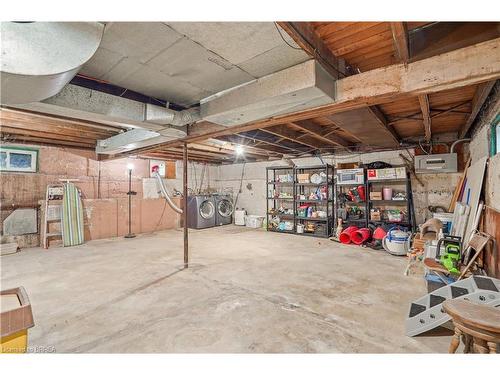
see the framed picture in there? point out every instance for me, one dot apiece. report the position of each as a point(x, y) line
point(18, 159)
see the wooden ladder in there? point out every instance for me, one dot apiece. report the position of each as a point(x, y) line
point(53, 212)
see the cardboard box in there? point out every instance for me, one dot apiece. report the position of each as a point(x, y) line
point(375, 215)
point(347, 165)
point(376, 195)
point(387, 173)
point(303, 177)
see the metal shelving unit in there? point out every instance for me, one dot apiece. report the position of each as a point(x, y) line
point(363, 206)
point(274, 201)
point(322, 225)
point(405, 184)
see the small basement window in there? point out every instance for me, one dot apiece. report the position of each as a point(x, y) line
point(18, 159)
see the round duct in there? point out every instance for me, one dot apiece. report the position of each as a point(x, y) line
point(40, 58)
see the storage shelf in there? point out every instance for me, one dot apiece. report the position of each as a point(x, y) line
point(389, 180)
point(311, 218)
point(284, 216)
point(322, 235)
point(388, 202)
point(310, 184)
point(303, 188)
point(281, 231)
point(389, 222)
point(351, 184)
point(313, 200)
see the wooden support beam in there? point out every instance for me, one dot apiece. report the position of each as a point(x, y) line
point(319, 132)
point(441, 37)
point(400, 38)
point(228, 151)
point(290, 135)
point(467, 66)
point(184, 203)
point(274, 144)
point(304, 35)
point(382, 119)
point(426, 114)
point(482, 92)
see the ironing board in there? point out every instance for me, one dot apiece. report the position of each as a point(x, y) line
point(72, 216)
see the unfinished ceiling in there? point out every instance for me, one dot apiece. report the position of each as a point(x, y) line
point(184, 62)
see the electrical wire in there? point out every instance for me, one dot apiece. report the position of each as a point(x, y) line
point(284, 40)
point(241, 184)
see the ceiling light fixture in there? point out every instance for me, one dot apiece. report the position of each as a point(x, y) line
point(239, 150)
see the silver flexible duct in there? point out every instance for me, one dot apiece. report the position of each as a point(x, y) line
point(165, 194)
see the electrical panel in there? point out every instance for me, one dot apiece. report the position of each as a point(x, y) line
point(437, 163)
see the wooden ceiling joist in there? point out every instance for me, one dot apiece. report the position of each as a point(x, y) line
point(286, 133)
point(258, 142)
point(482, 92)
point(426, 115)
point(400, 37)
point(319, 132)
point(304, 35)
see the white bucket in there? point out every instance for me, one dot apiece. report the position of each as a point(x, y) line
point(239, 217)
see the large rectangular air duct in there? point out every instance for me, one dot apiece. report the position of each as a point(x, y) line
point(300, 87)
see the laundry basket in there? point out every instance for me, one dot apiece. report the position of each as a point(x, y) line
point(254, 221)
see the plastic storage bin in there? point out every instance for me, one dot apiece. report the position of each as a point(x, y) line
point(253, 221)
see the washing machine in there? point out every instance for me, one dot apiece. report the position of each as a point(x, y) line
point(201, 211)
point(224, 209)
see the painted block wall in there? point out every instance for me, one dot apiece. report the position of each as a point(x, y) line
point(103, 185)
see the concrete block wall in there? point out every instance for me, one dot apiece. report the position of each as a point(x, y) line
point(436, 191)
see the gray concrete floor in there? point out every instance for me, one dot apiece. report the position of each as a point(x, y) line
point(246, 291)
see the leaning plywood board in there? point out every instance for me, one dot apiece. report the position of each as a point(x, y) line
point(472, 192)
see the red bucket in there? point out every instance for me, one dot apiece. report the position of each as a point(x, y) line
point(345, 236)
point(360, 236)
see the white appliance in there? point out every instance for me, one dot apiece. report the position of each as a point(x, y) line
point(350, 176)
point(437, 163)
point(239, 217)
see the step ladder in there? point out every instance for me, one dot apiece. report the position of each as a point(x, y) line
point(53, 212)
point(427, 312)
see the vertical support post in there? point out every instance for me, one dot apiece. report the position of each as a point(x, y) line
point(130, 193)
point(185, 208)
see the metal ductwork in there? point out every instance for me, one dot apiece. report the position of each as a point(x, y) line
point(40, 58)
point(300, 87)
point(165, 116)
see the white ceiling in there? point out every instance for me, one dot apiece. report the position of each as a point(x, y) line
point(184, 62)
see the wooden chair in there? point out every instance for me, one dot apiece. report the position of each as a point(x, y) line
point(477, 325)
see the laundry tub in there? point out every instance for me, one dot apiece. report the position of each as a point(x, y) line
point(15, 320)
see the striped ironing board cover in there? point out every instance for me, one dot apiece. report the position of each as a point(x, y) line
point(72, 216)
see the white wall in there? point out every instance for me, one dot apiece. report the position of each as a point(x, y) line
point(211, 176)
point(437, 190)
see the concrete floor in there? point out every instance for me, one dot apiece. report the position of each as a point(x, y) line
point(246, 291)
